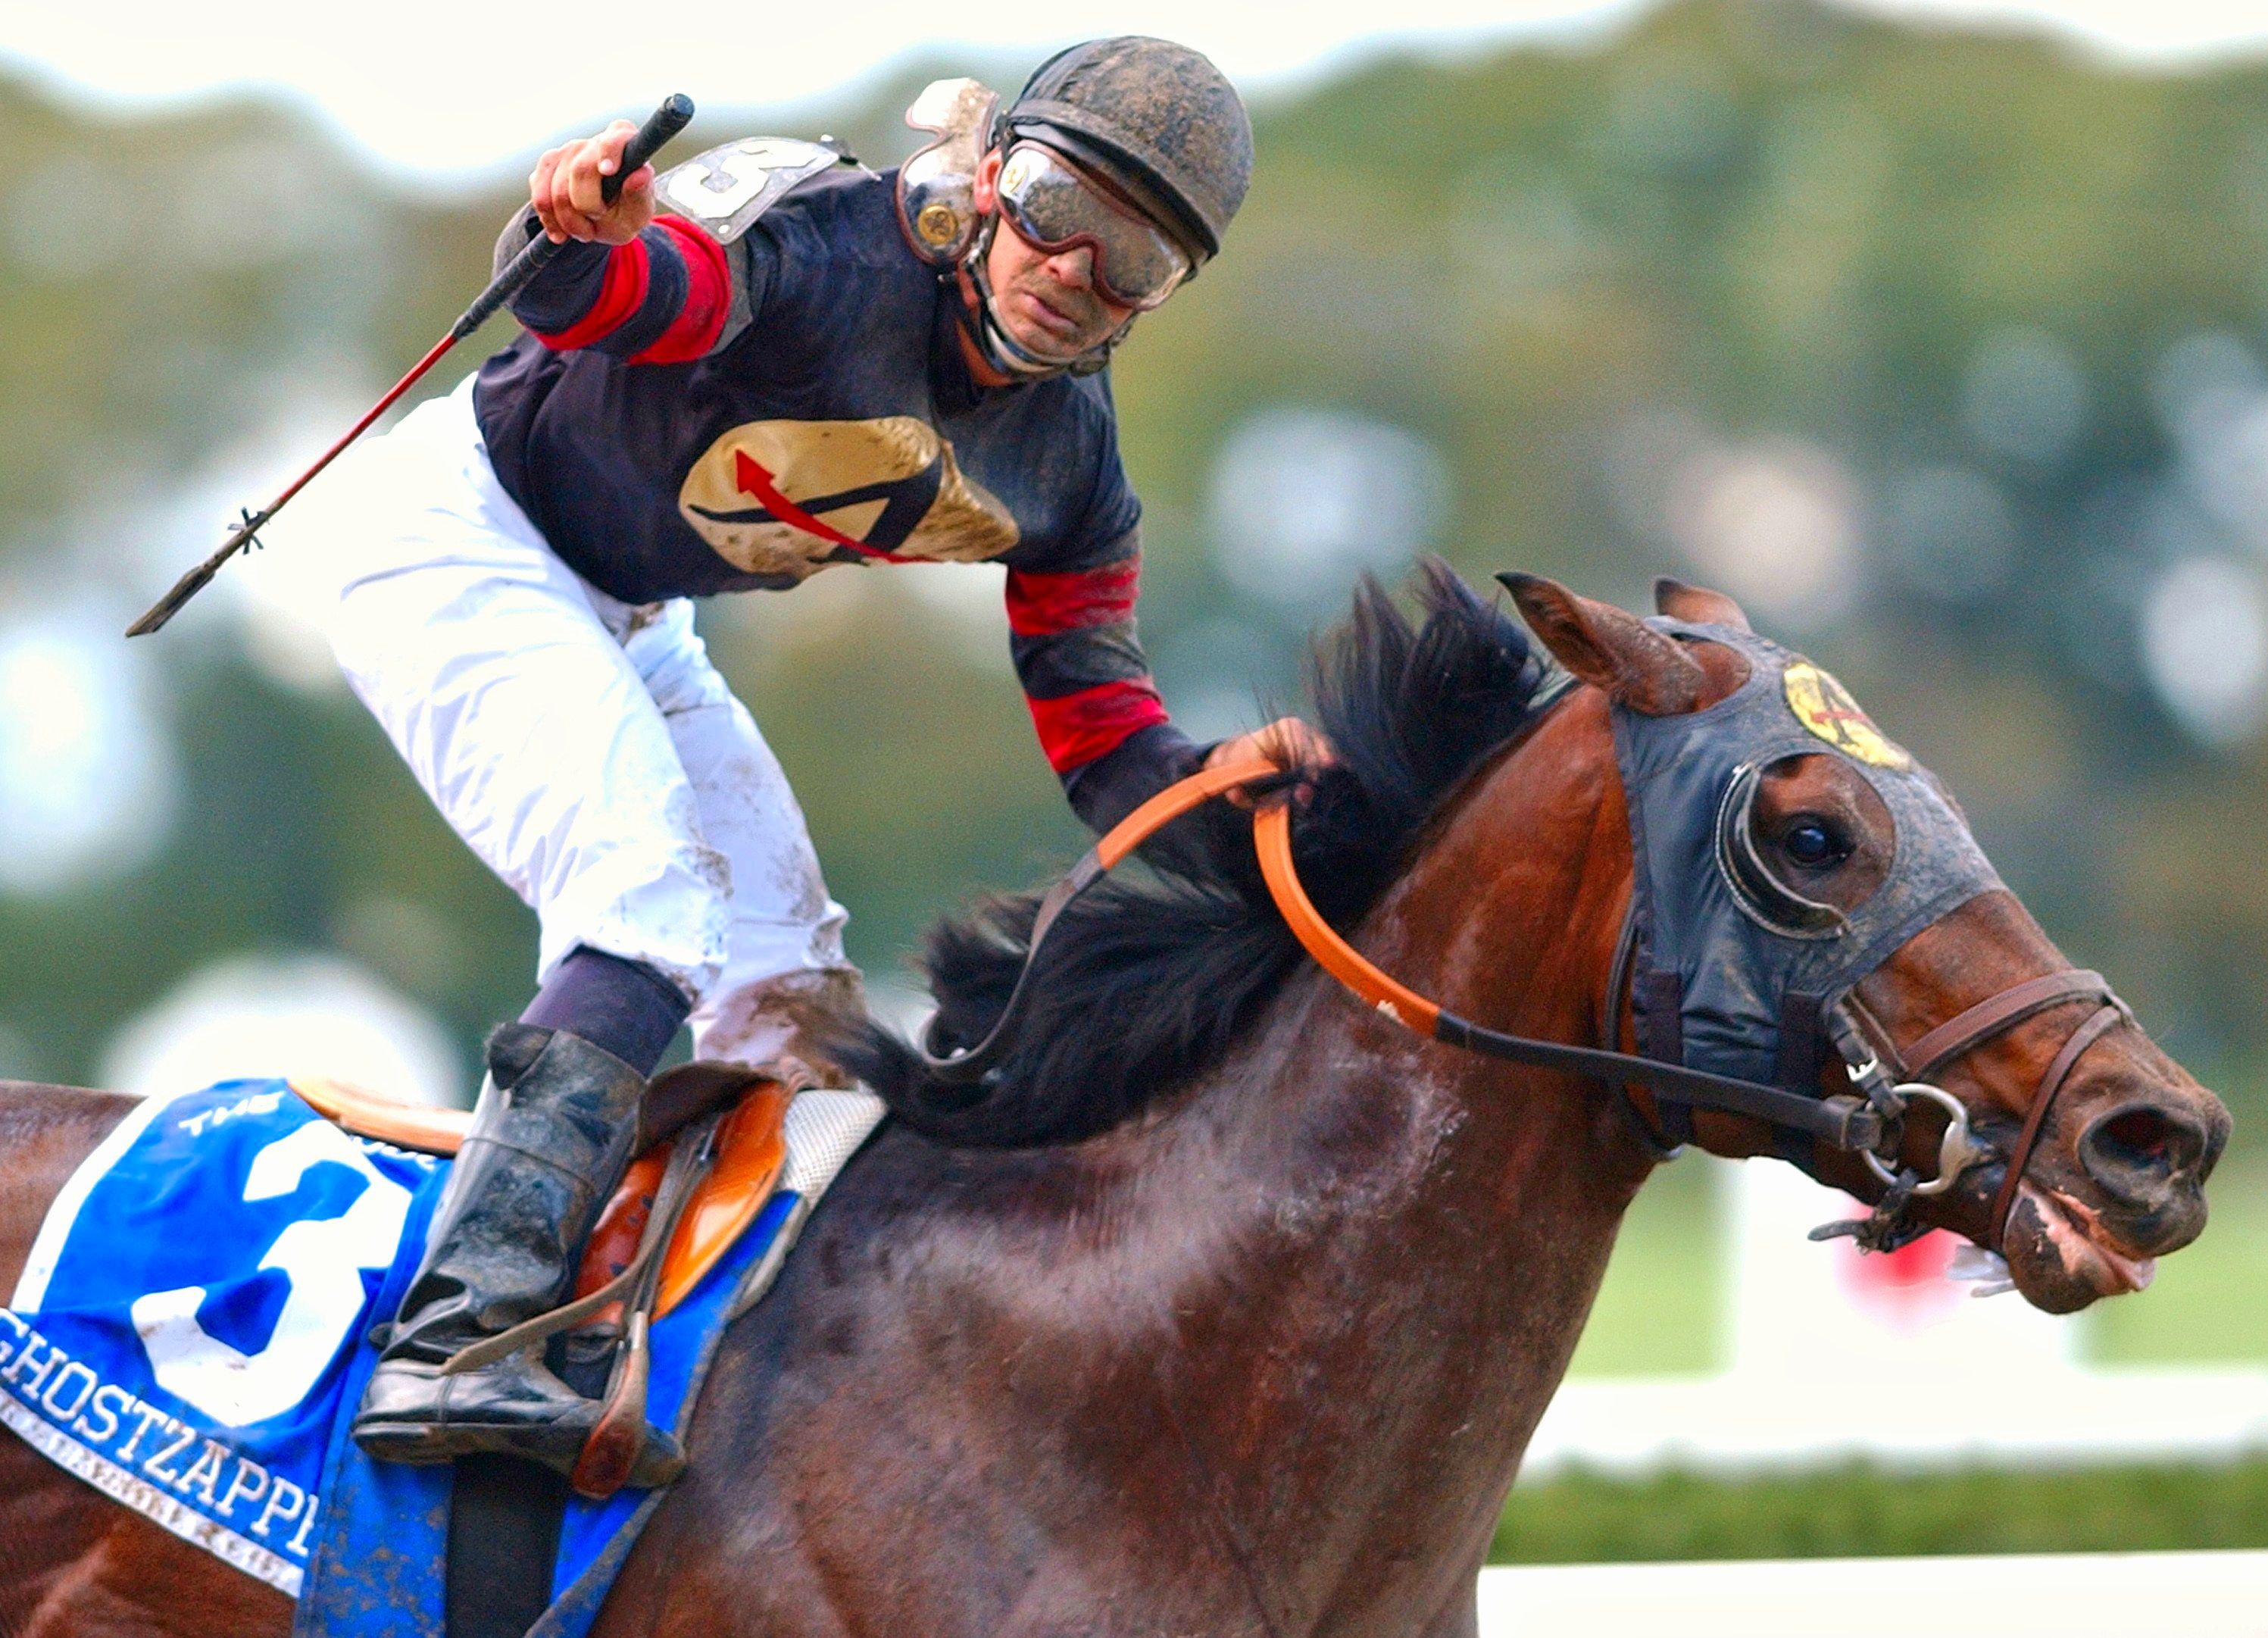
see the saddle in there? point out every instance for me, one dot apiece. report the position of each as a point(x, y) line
point(712, 1142)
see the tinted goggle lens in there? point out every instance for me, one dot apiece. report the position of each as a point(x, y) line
point(1053, 208)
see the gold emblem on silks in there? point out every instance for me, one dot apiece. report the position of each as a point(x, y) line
point(1825, 707)
point(788, 497)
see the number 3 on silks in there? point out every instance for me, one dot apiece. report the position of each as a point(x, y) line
point(323, 1261)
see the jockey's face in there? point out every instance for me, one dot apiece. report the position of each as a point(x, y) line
point(1047, 301)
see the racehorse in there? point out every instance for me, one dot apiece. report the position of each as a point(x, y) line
point(1228, 1306)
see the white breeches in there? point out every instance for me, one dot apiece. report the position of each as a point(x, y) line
point(586, 749)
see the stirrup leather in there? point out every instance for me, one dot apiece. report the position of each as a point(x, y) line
point(610, 1454)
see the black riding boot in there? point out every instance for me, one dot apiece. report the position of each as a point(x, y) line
point(549, 1143)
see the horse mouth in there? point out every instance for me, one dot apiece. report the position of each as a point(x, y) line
point(2081, 1260)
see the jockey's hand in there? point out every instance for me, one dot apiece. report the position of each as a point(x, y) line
point(1288, 742)
point(565, 189)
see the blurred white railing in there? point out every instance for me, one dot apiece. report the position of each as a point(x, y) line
point(1832, 1355)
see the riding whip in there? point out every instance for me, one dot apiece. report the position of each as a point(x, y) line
point(666, 121)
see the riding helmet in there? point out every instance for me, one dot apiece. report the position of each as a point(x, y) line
point(1156, 118)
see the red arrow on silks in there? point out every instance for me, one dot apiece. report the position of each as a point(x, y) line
point(752, 479)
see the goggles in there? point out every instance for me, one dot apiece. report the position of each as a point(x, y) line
point(1053, 208)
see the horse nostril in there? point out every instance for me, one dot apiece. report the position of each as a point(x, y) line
point(2137, 1152)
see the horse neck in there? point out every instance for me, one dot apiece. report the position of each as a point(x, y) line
point(1402, 1240)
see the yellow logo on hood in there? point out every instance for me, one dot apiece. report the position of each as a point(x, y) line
point(1825, 707)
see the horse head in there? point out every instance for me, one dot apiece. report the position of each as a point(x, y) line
point(1962, 1022)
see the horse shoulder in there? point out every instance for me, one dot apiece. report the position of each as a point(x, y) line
point(902, 1436)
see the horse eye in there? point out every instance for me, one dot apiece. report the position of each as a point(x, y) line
point(1814, 842)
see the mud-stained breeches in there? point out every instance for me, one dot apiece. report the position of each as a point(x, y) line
point(587, 749)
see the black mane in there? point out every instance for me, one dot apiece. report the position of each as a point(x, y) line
point(1143, 984)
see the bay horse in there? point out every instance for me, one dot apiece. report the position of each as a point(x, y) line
point(1230, 1306)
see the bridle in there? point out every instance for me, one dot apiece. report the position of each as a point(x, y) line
point(1887, 1079)
point(1909, 1071)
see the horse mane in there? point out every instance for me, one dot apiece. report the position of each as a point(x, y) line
point(1144, 983)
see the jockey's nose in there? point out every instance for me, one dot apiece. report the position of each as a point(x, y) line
point(1074, 266)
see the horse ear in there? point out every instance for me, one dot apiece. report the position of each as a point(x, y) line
point(1636, 665)
point(1697, 603)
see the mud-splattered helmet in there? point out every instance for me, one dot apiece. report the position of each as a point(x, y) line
point(1139, 148)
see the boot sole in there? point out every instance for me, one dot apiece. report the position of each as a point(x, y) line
point(420, 1445)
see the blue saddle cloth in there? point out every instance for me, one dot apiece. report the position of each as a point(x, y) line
point(196, 1298)
point(191, 1335)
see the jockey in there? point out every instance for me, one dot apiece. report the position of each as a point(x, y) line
point(800, 364)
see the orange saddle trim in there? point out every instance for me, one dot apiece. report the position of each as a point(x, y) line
point(751, 1151)
point(364, 1113)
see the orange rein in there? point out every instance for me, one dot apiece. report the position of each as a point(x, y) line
point(1271, 836)
point(1174, 800)
point(1841, 1120)
point(1271, 830)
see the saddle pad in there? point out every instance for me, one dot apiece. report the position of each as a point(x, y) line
point(376, 1570)
point(195, 1302)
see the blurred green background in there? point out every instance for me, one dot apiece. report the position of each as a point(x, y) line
point(1857, 1509)
point(1942, 350)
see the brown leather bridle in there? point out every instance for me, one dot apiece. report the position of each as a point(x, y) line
point(1965, 1031)
point(1856, 1124)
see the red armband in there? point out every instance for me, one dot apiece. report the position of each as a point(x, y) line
point(620, 297)
point(1040, 605)
point(708, 297)
point(1075, 729)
